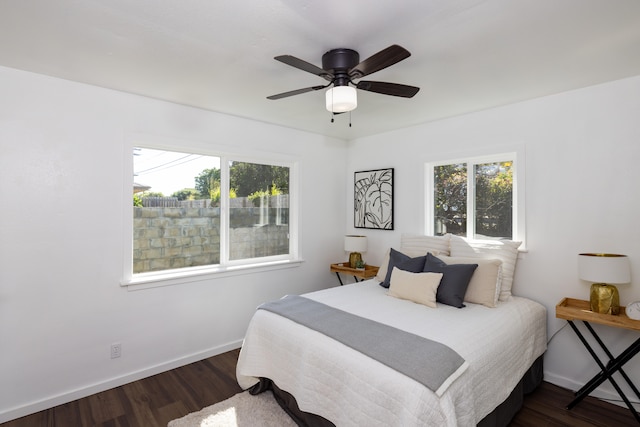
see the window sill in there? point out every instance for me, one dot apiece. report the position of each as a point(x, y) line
point(197, 274)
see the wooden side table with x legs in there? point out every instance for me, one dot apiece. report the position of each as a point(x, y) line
point(573, 309)
point(368, 272)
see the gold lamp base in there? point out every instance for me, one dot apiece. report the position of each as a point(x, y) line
point(355, 258)
point(604, 299)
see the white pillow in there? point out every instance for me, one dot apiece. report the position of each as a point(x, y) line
point(415, 245)
point(420, 245)
point(384, 265)
point(417, 287)
point(505, 250)
point(484, 287)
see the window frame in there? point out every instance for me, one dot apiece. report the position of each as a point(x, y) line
point(225, 210)
point(226, 267)
point(515, 155)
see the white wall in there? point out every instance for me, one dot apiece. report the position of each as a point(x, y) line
point(582, 153)
point(63, 147)
point(61, 305)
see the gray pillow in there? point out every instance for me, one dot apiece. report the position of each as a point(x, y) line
point(403, 262)
point(455, 280)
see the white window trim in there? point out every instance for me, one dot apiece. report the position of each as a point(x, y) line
point(196, 274)
point(515, 153)
point(226, 268)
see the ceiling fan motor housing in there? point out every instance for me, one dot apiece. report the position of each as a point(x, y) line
point(341, 66)
point(338, 62)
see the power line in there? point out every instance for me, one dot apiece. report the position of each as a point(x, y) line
point(170, 164)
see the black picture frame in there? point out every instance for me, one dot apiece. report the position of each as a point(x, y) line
point(373, 199)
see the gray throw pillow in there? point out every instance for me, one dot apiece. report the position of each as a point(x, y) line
point(455, 280)
point(403, 262)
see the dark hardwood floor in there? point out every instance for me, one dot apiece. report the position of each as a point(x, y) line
point(156, 400)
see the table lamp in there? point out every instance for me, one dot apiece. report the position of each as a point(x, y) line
point(604, 270)
point(355, 245)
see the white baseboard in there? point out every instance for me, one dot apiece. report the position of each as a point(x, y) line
point(69, 396)
point(610, 396)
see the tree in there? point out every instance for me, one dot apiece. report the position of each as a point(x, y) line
point(186, 194)
point(215, 196)
point(247, 178)
point(451, 198)
point(207, 183)
point(494, 199)
point(151, 194)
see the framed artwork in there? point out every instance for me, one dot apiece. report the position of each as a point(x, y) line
point(373, 199)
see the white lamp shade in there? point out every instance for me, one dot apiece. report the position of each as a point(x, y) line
point(604, 268)
point(355, 243)
point(341, 98)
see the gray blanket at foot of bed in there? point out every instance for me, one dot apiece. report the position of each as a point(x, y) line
point(428, 362)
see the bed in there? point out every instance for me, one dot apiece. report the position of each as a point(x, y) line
point(324, 381)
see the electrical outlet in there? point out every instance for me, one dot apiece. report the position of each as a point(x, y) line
point(116, 350)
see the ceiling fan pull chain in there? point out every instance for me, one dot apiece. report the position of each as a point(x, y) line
point(332, 113)
point(332, 104)
point(349, 118)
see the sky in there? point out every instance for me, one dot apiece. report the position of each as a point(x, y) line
point(168, 171)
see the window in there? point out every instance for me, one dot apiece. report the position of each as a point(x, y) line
point(258, 210)
point(194, 210)
point(475, 198)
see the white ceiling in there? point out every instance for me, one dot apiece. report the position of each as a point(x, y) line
point(467, 55)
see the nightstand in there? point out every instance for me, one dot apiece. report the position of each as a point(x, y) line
point(368, 272)
point(573, 309)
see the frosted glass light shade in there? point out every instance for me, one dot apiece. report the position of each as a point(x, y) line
point(341, 98)
point(604, 268)
point(355, 243)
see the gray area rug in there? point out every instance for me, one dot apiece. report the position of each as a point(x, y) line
point(241, 410)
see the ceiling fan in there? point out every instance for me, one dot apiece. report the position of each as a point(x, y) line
point(340, 67)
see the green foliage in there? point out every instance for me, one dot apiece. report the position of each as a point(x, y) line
point(186, 194)
point(450, 197)
point(248, 178)
point(275, 191)
point(493, 201)
point(137, 201)
point(151, 194)
point(245, 179)
point(257, 195)
point(207, 182)
point(215, 195)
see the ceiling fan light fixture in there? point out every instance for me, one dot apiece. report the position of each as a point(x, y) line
point(341, 98)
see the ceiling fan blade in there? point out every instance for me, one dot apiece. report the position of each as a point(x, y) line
point(393, 89)
point(304, 66)
point(376, 62)
point(295, 92)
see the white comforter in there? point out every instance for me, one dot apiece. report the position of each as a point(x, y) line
point(350, 389)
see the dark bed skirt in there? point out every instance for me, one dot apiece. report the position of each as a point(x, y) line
point(504, 413)
point(499, 417)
